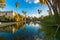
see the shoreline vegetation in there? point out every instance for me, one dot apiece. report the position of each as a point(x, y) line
point(17, 17)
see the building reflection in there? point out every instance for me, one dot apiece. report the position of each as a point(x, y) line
point(22, 31)
point(12, 28)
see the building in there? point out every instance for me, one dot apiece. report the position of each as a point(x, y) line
point(8, 13)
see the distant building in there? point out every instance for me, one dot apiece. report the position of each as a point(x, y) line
point(8, 13)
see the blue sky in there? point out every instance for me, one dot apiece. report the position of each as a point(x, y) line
point(30, 6)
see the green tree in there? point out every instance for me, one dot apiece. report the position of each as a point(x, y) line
point(53, 5)
point(39, 11)
point(5, 16)
point(2, 4)
point(17, 4)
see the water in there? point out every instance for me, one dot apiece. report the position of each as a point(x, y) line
point(21, 31)
point(28, 31)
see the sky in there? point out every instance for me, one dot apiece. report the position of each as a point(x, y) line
point(30, 6)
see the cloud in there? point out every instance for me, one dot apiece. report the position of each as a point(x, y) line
point(34, 15)
point(32, 1)
point(36, 1)
point(27, 0)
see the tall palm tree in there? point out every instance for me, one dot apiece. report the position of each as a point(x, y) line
point(39, 11)
point(53, 5)
point(24, 12)
point(17, 5)
point(46, 2)
point(59, 5)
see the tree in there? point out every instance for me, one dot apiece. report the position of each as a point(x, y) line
point(49, 12)
point(2, 1)
point(2, 4)
point(39, 11)
point(24, 12)
point(5, 16)
point(59, 5)
point(53, 5)
point(17, 4)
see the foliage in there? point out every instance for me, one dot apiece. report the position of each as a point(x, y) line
point(2, 1)
point(49, 26)
point(53, 5)
point(48, 20)
point(17, 17)
point(39, 11)
point(17, 4)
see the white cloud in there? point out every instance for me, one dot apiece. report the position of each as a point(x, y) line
point(36, 1)
point(34, 15)
point(27, 0)
point(30, 1)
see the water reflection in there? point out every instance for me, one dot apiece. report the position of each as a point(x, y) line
point(51, 32)
point(22, 31)
point(12, 28)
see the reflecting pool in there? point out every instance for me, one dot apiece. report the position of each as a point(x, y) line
point(28, 31)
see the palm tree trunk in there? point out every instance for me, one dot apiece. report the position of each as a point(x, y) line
point(54, 8)
point(56, 14)
point(49, 9)
point(58, 5)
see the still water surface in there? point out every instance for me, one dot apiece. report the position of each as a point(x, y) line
point(22, 31)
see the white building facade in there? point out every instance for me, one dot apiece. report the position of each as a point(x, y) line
point(8, 13)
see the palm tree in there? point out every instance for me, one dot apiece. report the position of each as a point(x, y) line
point(59, 5)
point(53, 5)
point(2, 4)
point(49, 12)
point(39, 11)
point(24, 12)
point(46, 2)
point(17, 4)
